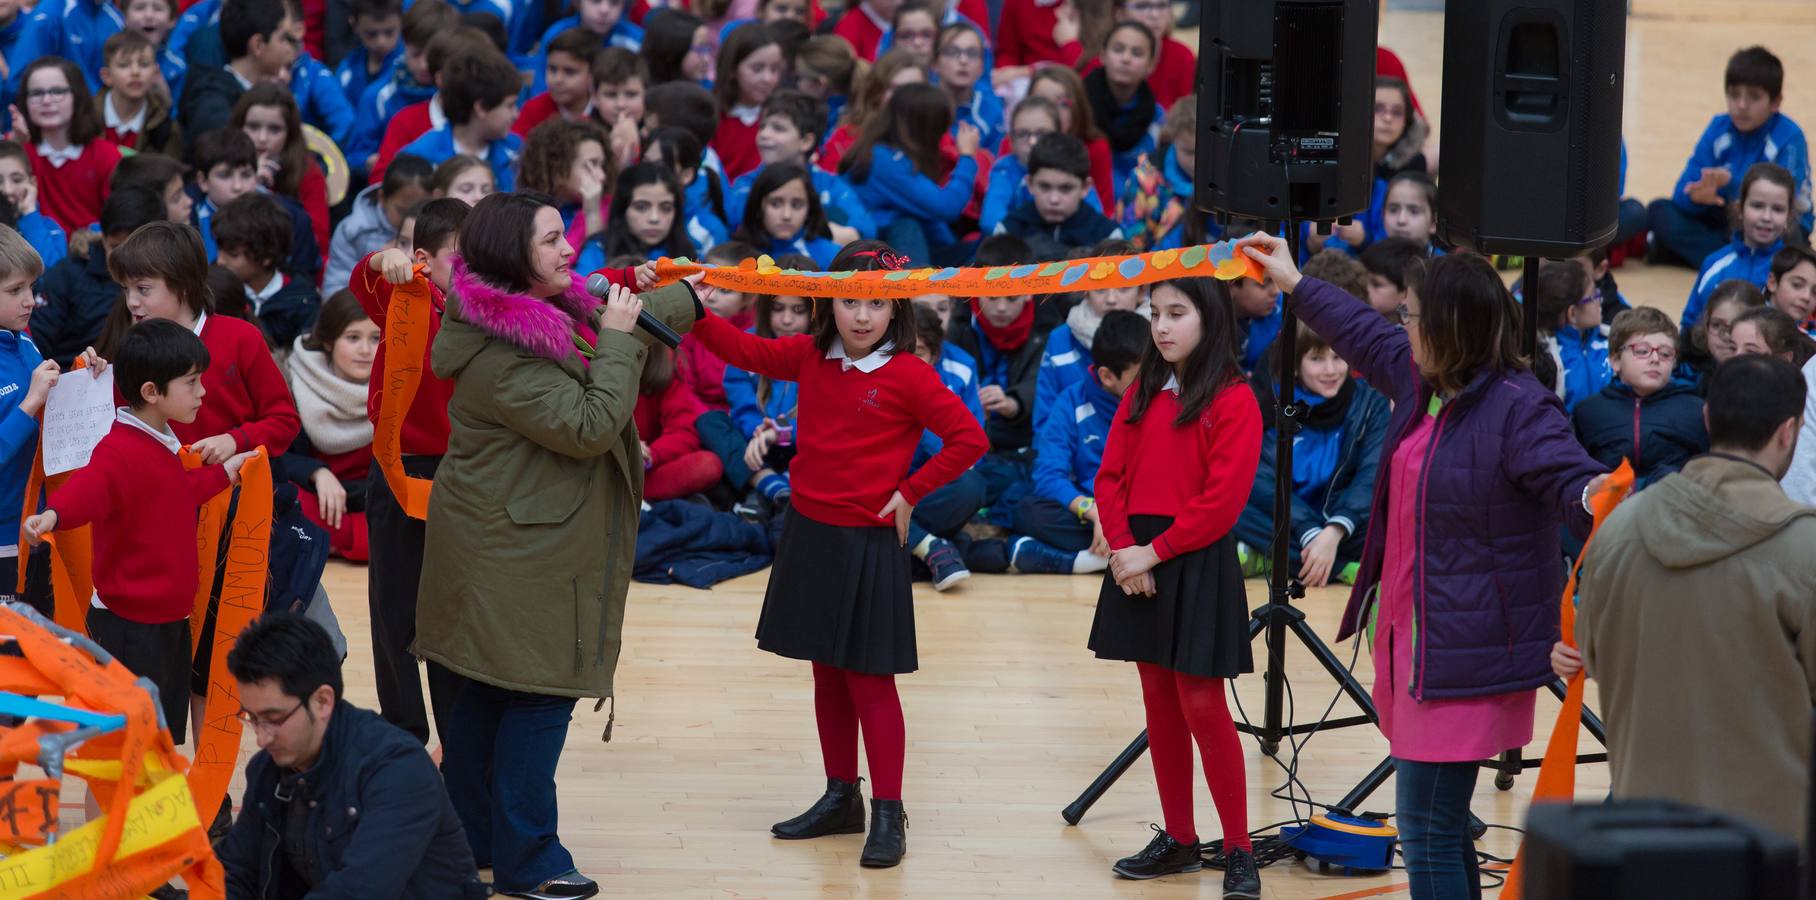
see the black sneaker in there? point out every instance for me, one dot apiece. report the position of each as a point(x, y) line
point(753, 508)
point(1240, 879)
point(570, 886)
point(947, 566)
point(1163, 856)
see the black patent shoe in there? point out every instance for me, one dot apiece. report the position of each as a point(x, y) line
point(1241, 880)
point(888, 838)
point(839, 811)
point(1163, 856)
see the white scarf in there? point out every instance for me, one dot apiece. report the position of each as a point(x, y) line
point(333, 409)
point(1084, 322)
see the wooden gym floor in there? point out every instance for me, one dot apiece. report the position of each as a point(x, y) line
point(1010, 716)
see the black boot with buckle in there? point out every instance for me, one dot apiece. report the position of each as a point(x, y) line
point(888, 838)
point(839, 811)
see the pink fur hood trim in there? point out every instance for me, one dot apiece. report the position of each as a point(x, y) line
point(542, 327)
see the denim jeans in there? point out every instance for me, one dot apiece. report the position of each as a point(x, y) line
point(945, 511)
point(499, 757)
point(1432, 811)
point(1690, 238)
point(1050, 522)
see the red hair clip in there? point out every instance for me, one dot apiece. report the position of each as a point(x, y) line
point(888, 259)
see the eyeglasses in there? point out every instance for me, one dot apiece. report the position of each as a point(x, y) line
point(252, 720)
point(1139, 8)
point(1027, 134)
point(962, 53)
point(1390, 111)
point(916, 34)
point(1647, 351)
point(42, 94)
point(1407, 316)
point(1721, 329)
point(701, 49)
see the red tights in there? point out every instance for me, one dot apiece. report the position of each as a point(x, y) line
point(1180, 708)
point(841, 700)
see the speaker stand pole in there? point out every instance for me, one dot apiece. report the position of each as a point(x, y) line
point(1529, 296)
point(1277, 616)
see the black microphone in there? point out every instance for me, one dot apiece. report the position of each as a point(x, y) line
point(598, 285)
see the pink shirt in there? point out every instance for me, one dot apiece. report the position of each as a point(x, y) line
point(1428, 730)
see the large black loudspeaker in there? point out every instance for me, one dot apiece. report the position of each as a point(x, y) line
point(1653, 850)
point(1532, 124)
point(1285, 108)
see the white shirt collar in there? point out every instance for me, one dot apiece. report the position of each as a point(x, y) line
point(244, 84)
point(437, 118)
point(170, 442)
point(57, 157)
point(881, 23)
point(1172, 383)
point(867, 365)
point(258, 298)
point(748, 114)
point(202, 318)
point(119, 125)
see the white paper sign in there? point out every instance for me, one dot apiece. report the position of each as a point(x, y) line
point(78, 413)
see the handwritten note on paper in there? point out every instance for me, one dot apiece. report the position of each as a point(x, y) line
point(78, 413)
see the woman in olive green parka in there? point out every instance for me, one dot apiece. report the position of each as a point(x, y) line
point(532, 525)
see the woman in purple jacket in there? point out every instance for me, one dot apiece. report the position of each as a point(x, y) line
point(1479, 470)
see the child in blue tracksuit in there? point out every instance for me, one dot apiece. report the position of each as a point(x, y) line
point(19, 185)
point(1067, 359)
point(703, 191)
point(410, 82)
point(1058, 518)
point(1571, 329)
point(959, 67)
point(763, 413)
point(790, 128)
point(1692, 223)
point(1336, 456)
point(941, 516)
point(74, 30)
point(1008, 187)
point(1765, 207)
point(898, 176)
point(783, 215)
point(26, 378)
point(376, 24)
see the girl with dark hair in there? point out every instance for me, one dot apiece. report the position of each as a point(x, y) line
point(328, 370)
point(748, 70)
point(783, 215)
point(703, 201)
point(269, 115)
point(1399, 146)
point(1173, 600)
point(901, 176)
point(1122, 103)
point(59, 116)
point(532, 532)
point(1479, 472)
point(961, 60)
point(646, 219)
point(869, 101)
point(839, 593)
point(1063, 88)
point(678, 47)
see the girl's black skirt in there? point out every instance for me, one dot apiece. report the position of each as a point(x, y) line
point(1197, 620)
point(840, 596)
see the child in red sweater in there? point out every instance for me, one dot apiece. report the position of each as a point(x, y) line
point(143, 506)
point(750, 67)
point(839, 591)
point(674, 463)
point(61, 130)
point(395, 540)
point(1173, 601)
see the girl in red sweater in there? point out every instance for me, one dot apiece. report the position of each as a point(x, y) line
point(269, 115)
point(1176, 471)
point(1065, 89)
point(674, 463)
point(839, 592)
point(329, 461)
point(749, 69)
point(61, 130)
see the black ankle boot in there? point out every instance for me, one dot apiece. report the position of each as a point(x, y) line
point(839, 811)
point(888, 838)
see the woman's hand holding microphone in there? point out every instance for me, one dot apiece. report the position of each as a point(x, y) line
point(620, 310)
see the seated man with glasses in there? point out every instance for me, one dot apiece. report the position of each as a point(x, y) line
point(1643, 415)
point(338, 802)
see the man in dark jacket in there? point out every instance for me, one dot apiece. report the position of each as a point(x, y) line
point(261, 43)
point(338, 802)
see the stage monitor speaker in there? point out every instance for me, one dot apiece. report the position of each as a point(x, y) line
point(1285, 108)
point(1653, 850)
point(1532, 124)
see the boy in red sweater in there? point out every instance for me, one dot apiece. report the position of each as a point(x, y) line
point(143, 506)
point(394, 539)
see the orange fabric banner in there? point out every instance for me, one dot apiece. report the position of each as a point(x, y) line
point(762, 276)
point(1557, 774)
point(217, 741)
point(406, 341)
